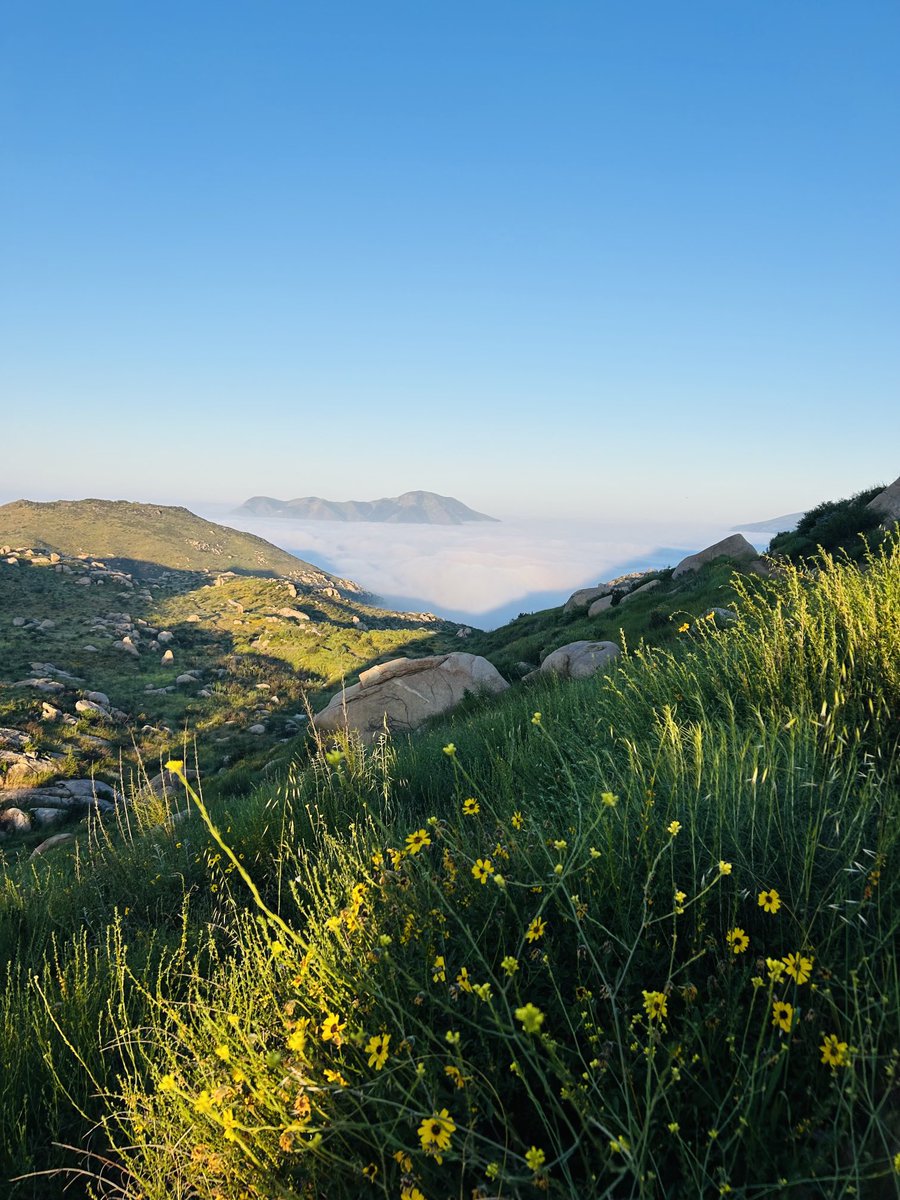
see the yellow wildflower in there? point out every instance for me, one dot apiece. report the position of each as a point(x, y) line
point(435, 1131)
point(415, 841)
point(167, 1083)
point(471, 807)
point(331, 1029)
point(783, 1015)
point(674, 827)
point(798, 967)
point(510, 965)
point(770, 901)
point(370, 1172)
point(656, 1005)
point(439, 970)
point(531, 1017)
point(683, 628)
point(455, 1074)
point(834, 1053)
point(536, 719)
point(463, 979)
point(203, 1103)
point(483, 869)
point(536, 929)
point(517, 820)
point(223, 1052)
point(450, 750)
point(737, 940)
point(609, 799)
point(377, 1050)
point(724, 867)
point(535, 1158)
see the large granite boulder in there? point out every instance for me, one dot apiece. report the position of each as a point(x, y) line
point(639, 591)
point(600, 606)
point(736, 547)
point(407, 691)
point(887, 503)
point(585, 597)
point(578, 660)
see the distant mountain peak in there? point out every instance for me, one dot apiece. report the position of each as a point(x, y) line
point(410, 508)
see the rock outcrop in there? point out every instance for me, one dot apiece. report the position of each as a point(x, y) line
point(736, 547)
point(579, 660)
point(887, 503)
point(407, 691)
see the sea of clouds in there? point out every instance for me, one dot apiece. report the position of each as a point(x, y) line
point(481, 574)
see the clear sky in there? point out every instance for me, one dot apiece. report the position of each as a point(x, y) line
point(554, 258)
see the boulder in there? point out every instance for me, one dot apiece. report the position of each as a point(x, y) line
point(585, 597)
point(887, 503)
point(164, 637)
point(600, 606)
point(167, 659)
point(89, 709)
point(645, 587)
point(14, 820)
point(58, 839)
point(736, 547)
point(579, 660)
point(405, 692)
point(186, 679)
point(294, 614)
point(98, 698)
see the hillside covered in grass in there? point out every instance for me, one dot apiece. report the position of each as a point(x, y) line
point(632, 936)
point(149, 539)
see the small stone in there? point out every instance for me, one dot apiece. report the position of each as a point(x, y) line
point(257, 729)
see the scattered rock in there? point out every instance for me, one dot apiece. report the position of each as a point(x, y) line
point(168, 658)
point(98, 698)
point(14, 820)
point(18, 622)
point(600, 605)
point(294, 614)
point(186, 679)
point(46, 818)
point(579, 660)
point(585, 597)
point(58, 839)
point(257, 729)
point(736, 547)
point(164, 637)
point(407, 691)
point(645, 587)
point(89, 709)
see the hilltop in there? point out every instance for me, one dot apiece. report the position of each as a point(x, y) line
point(412, 508)
point(148, 538)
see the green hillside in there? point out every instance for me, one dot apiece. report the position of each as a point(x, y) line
point(147, 538)
point(627, 937)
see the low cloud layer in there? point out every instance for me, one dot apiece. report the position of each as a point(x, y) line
point(481, 574)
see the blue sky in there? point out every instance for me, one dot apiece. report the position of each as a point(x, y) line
point(564, 259)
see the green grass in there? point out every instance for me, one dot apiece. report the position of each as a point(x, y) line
point(166, 1015)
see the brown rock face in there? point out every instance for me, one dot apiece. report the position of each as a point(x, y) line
point(736, 547)
point(407, 691)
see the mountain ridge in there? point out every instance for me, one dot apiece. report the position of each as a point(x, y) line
point(409, 508)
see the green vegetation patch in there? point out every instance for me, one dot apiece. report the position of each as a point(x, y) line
point(633, 936)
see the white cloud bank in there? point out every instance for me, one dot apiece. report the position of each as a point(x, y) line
point(482, 575)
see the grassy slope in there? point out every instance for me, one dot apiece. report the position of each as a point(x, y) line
point(150, 534)
point(773, 743)
point(654, 618)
